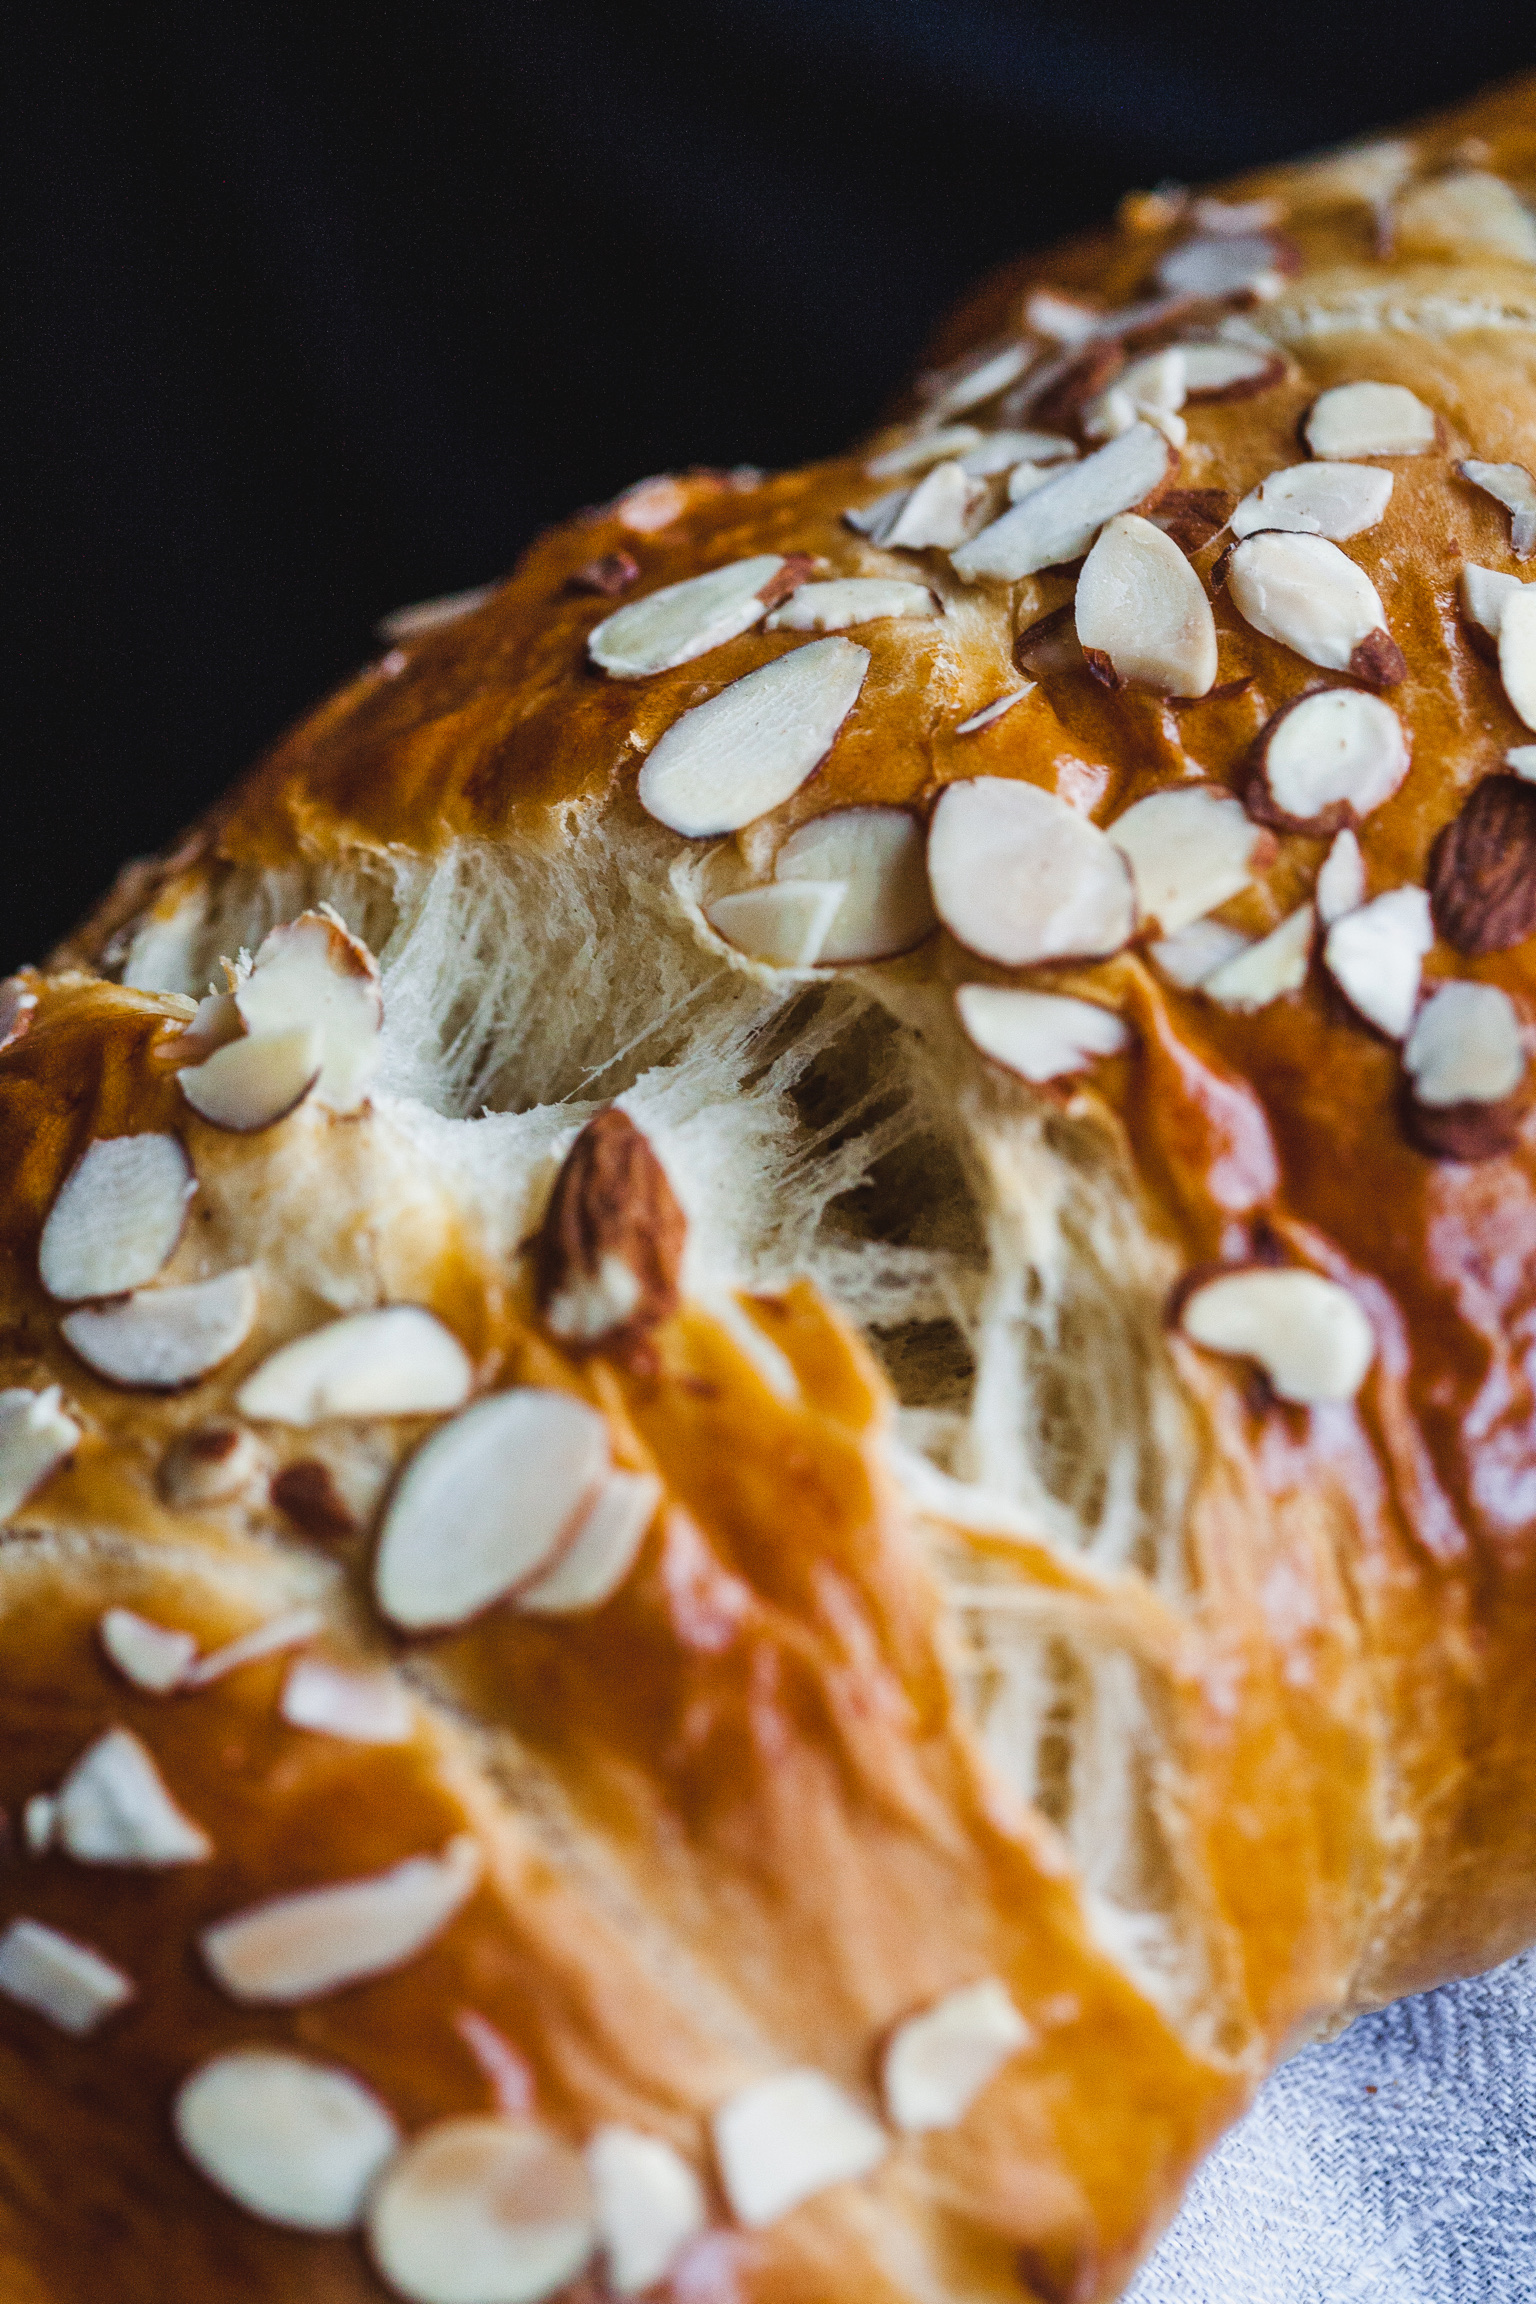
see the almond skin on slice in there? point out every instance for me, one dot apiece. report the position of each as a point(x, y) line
point(782, 927)
point(729, 761)
point(300, 1947)
point(211, 1464)
point(1517, 653)
point(1039, 1035)
point(294, 2142)
point(1189, 850)
point(1268, 970)
point(1192, 516)
point(252, 1083)
point(609, 574)
point(1018, 876)
point(313, 971)
point(879, 856)
point(398, 1361)
point(1369, 420)
point(114, 1808)
point(1307, 1333)
point(1375, 956)
point(1482, 869)
point(610, 1248)
point(1141, 607)
point(937, 2063)
point(36, 1437)
point(164, 1338)
point(784, 2139)
point(487, 1505)
point(649, 2205)
point(482, 2208)
point(681, 621)
point(1333, 500)
point(1465, 1061)
point(1513, 487)
point(1327, 759)
point(57, 1977)
point(1059, 520)
point(306, 1493)
point(1305, 593)
point(118, 1215)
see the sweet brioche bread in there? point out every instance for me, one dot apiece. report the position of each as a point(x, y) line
point(776, 1490)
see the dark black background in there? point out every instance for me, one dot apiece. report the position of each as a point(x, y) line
point(319, 309)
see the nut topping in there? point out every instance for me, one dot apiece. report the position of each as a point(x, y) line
point(361, 1707)
point(118, 1215)
point(398, 1361)
point(610, 1247)
point(294, 2142)
point(1189, 850)
point(114, 1808)
point(1018, 876)
point(1327, 759)
point(1482, 869)
point(1265, 971)
point(1466, 1062)
point(251, 1083)
point(1375, 956)
point(1305, 593)
point(1341, 879)
point(1143, 609)
point(681, 621)
point(841, 601)
point(878, 856)
point(1333, 500)
point(424, 616)
point(1513, 487)
point(1369, 420)
point(1517, 653)
point(313, 973)
point(782, 927)
point(68, 1982)
point(937, 2063)
point(306, 1493)
point(1308, 1334)
point(1059, 520)
point(649, 2204)
point(210, 1464)
point(784, 2139)
point(602, 1551)
point(915, 454)
point(152, 1656)
point(729, 761)
point(36, 1437)
point(297, 1948)
point(164, 1338)
point(482, 2209)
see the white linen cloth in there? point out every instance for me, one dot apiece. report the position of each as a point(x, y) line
point(1396, 2165)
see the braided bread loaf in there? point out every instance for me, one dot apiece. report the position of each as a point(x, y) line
point(778, 1487)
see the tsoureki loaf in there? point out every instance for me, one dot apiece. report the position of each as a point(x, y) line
point(778, 1488)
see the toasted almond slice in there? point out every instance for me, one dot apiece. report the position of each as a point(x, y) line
point(1341, 881)
point(511, 1478)
point(936, 2064)
point(118, 1215)
point(1141, 605)
point(1369, 420)
point(1000, 451)
point(164, 1338)
point(844, 600)
point(482, 2211)
point(294, 2142)
point(602, 1551)
point(1334, 500)
point(1517, 652)
point(297, 1948)
point(290, 1630)
point(927, 448)
point(1484, 592)
point(1188, 850)
point(1522, 758)
point(975, 378)
point(1265, 971)
point(1465, 213)
point(784, 927)
point(682, 621)
point(649, 2205)
point(213, 1463)
point(1059, 520)
point(152, 1656)
point(1221, 264)
point(1466, 1046)
point(398, 1361)
point(252, 1083)
point(1305, 593)
point(877, 855)
point(1308, 1334)
point(1152, 387)
point(361, 1707)
point(876, 520)
point(1018, 876)
point(114, 1808)
point(1190, 955)
point(1375, 956)
point(1513, 487)
point(314, 971)
point(1220, 371)
point(784, 2139)
point(36, 1437)
point(995, 710)
point(937, 513)
point(430, 615)
point(748, 749)
point(60, 1978)
point(1039, 1035)
point(1331, 753)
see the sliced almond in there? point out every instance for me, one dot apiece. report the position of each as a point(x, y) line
point(611, 1245)
point(482, 2211)
point(36, 1437)
point(1191, 955)
point(1484, 592)
point(649, 2205)
point(682, 621)
point(936, 2064)
point(1517, 652)
point(1308, 1334)
point(1375, 955)
point(118, 1215)
point(511, 1478)
point(39, 1822)
point(359, 1707)
point(1329, 757)
point(1059, 520)
point(1369, 420)
point(602, 1551)
point(1522, 759)
point(1193, 517)
point(252, 1083)
point(398, 1361)
point(876, 520)
point(995, 710)
point(977, 377)
point(1466, 1046)
point(1513, 487)
point(1039, 1035)
point(1024, 479)
point(1265, 971)
point(784, 2139)
point(1482, 874)
point(298, 1948)
point(1341, 880)
point(609, 574)
point(1333, 500)
point(1000, 451)
point(1065, 319)
point(114, 1808)
point(163, 1338)
point(314, 972)
point(1305, 593)
point(294, 2142)
point(1222, 264)
point(152, 1656)
point(937, 514)
point(1218, 371)
point(1235, 216)
point(935, 447)
point(60, 1978)
point(290, 1630)
point(1141, 606)
point(845, 600)
point(1468, 212)
point(1018, 876)
point(1188, 850)
point(1152, 387)
point(783, 927)
point(214, 1463)
point(878, 857)
point(18, 1006)
point(748, 749)
point(424, 616)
